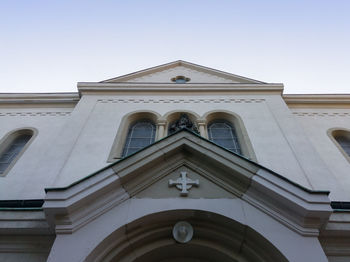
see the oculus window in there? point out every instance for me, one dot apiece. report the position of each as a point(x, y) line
point(180, 79)
point(140, 135)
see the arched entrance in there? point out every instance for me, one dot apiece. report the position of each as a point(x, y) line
point(216, 238)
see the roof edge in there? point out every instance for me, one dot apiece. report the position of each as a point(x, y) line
point(179, 63)
point(204, 139)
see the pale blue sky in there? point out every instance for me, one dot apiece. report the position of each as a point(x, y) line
point(48, 46)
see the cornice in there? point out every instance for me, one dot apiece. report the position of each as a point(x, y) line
point(96, 88)
point(23, 221)
point(39, 98)
point(312, 99)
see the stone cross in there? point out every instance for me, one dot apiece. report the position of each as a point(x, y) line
point(183, 183)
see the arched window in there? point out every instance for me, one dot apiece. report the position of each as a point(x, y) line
point(343, 139)
point(140, 134)
point(223, 133)
point(12, 147)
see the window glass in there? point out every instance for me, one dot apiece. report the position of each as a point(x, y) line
point(344, 142)
point(223, 133)
point(140, 135)
point(180, 81)
point(12, 150)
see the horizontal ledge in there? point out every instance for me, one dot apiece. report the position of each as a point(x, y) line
point(23, 204)
point(317, 98)
point(173, 85)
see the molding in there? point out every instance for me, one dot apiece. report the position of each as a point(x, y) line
point(317, 100)
point(39, 98)
point(35, 113)
point(182, 100)
point(70, 209)
point(24, 222)
point(335, 236)
point(323, 114)
point(97, 88)
point(26, 244)
point(303, 212)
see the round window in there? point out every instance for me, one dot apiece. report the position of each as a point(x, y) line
point(180, 79)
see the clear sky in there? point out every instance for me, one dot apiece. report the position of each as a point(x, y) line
point(49, 46)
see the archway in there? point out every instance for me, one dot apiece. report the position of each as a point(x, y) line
point(216, 238)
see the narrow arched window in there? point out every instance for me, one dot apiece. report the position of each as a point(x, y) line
point(343, 140)
point(12, 147)
point(223, 133)
point(140, 135)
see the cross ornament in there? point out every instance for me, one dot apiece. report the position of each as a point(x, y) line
point(183, 183)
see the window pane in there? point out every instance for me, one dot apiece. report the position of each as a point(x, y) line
point(344, 142)
point(222, 133)
point(11, 152)
point(140, 135)
point(140, 142)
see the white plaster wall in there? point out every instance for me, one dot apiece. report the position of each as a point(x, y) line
point(23, 181)
point(316, 122)
point(270, 144)
point(71, 147)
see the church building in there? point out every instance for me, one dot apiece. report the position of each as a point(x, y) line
point(178, 162)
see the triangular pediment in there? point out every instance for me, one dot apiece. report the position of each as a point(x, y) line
point(186, 181)
point(192, 72)
point(221, 174)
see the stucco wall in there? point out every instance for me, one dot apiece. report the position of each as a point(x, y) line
point(316, 123)
point(70, 146)
point(24, 181)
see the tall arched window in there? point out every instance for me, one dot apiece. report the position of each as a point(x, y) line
point(140, 134)
point(223, 133)
point(343, 139)
point(12, 147)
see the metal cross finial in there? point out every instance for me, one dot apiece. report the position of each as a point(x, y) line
point(183, 183)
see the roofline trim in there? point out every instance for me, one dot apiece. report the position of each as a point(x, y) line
point(204, 139)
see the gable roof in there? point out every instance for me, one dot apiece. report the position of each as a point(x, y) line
point(291, 204)
point(217, 75)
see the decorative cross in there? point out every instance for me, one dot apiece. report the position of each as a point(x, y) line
point(183, 183)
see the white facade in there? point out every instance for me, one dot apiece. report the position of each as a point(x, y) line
point(100, 207)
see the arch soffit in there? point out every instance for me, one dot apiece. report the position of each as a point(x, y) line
point(219, 231)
